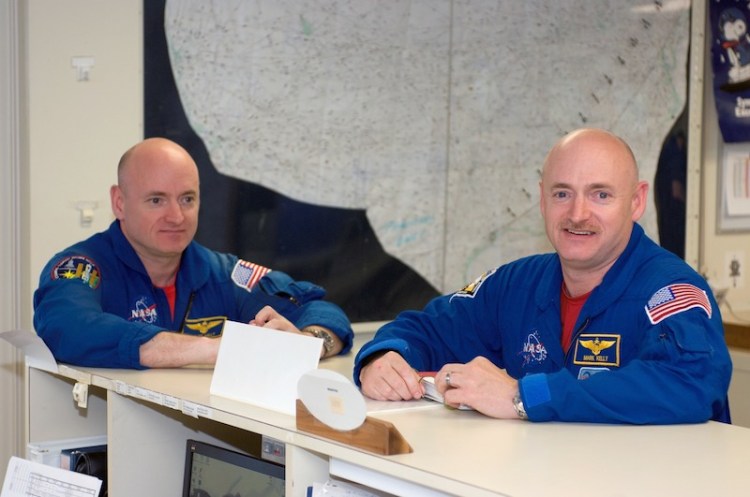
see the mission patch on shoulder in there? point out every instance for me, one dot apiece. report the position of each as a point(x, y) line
point(77, 267)
point(472, 288)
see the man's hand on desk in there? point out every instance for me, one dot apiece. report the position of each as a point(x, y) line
point(269, 318)
point(480, 385)
point(389, 377)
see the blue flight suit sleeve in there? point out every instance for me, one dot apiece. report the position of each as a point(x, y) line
point(68, 316)
point(437, 335)
point(302, 303)
point(681, 375)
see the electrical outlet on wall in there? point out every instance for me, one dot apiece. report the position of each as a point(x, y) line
point(717, 285)
point(735, 268)
point(720, 294)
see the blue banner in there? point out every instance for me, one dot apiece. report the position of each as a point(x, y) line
point(730, 59)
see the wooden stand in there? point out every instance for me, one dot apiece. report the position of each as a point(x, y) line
point(375, 435)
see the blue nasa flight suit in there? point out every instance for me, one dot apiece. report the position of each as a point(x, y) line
point(648, 345)
point(95, 305)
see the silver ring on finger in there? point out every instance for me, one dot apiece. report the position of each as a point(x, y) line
point(448, 378)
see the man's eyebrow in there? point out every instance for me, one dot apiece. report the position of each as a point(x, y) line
point(599, 186)
point(159, 193)
point(559, 184)
point(591, 186)
point(155, 193)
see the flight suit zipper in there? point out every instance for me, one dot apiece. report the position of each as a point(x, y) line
point(575, 336)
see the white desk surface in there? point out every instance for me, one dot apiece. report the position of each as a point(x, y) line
point(466, 453)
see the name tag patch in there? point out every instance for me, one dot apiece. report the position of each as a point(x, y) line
point(206, 327)
point(597, 350)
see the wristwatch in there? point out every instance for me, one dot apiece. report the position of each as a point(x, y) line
point(518, 406)
point(318, 332)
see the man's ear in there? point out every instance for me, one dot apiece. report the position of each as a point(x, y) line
point(541, 199)
point(640, 199)
point(115, 197)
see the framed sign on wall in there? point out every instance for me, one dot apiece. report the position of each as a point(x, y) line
point(734, 189)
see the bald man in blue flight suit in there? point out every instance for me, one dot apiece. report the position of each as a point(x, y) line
point(144, 294)
point(610, 328)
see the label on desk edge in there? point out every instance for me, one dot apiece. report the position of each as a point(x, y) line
point(196, 410)
point(172, 402)
point(123, 388)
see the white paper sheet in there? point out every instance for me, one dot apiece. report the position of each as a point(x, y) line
point(26, 478)
point(37, 353)
point(262, 366)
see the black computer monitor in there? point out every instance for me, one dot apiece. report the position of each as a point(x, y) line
point(212, 471)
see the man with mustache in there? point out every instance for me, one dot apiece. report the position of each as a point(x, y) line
point(609, 328)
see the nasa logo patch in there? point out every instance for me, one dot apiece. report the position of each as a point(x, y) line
point(144, 310)
point(533, 350)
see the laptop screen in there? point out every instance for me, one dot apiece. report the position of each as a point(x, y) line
point(212, 471)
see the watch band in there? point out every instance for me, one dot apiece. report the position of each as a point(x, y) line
point(518, 406)
point(319, 332)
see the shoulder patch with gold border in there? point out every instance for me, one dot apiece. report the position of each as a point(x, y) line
point(472, 288)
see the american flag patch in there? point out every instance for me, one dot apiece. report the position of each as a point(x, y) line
point(674, 299)
point(247, 274)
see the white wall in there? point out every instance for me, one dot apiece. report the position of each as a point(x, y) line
point(67, 139)
point(11, 375)
point(79, 129)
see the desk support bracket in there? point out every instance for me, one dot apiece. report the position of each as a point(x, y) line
point(81, 394)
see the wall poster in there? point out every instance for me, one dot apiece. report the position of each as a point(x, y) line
point(730, 59)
